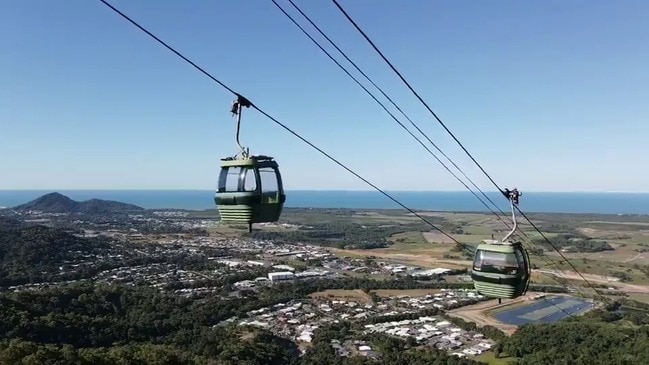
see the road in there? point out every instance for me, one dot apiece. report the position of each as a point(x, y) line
point(637, 256)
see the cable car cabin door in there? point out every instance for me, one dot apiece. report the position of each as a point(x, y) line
point(271, 193)
point(523, 258)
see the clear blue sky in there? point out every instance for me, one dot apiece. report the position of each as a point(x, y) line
point(548, 95)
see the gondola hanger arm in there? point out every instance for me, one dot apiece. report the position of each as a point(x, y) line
point(237, 107)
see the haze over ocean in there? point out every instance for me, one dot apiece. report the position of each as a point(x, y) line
point(604, 203)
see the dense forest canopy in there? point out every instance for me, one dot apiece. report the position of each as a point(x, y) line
point(30, 254)
point(610, 339)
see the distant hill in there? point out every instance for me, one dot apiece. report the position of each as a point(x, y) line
point(59, 203)
point(33, 253)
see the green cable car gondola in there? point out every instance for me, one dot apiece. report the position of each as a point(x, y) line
point(501, 269)
point(250, 188)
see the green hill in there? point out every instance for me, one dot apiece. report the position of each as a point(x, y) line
point(59, 203)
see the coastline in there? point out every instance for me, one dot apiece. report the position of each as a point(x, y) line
point(443, 201)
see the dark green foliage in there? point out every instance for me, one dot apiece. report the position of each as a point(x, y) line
point(25, 352)
point(341, 235)
point(613, 335)
point(579, 343)
point(575, 241)
point(555, 227)
point(31, 254)
point(624, 277)
point(129, 320)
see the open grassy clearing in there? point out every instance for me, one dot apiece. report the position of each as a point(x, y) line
point(619, 226)
point(405, 249)
point(408, 238)
point(468, 217)
point(645, 224)
point(374, 216)
point(411, 240)
point(483, 230)
point(571, 218)
point(631, 238)
point(540, 278)
point(387, 293)
point(363, 275)
point(640, 297)
point(421, 260)
point(340, 294)
point(414, 242)
point(491, 359)
point(534, 234)
point(603, 265)
point(436, 237)
point(234, 230)
point(619, 257)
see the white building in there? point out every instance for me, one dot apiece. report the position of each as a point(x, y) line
point(279, 276)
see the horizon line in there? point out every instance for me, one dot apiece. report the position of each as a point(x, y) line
point(346, 190)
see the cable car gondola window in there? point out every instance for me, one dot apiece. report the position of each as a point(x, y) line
point(268, 177)
point(229, 179)
point(521, 261)
point(496, 262)
point(249, 180)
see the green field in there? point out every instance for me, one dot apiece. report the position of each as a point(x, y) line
point(491, 359)
point(415, 243)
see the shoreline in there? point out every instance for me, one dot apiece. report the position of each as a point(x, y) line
point(567, 203)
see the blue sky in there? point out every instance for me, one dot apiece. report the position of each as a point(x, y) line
point(549, 96)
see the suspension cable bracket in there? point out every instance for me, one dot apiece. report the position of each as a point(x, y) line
point(512, 195)
point(238, 104)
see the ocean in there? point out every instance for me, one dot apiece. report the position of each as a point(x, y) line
point(604, 203)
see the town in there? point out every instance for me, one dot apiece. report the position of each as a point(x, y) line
point(169, 262)
point(297, 320)
point(289, 287)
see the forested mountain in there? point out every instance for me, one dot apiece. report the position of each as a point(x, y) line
point(59, 203)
